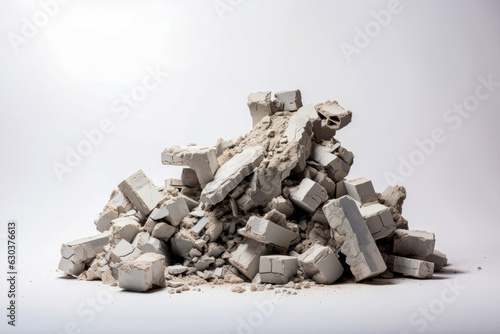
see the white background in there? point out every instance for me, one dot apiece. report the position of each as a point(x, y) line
point(66, 78)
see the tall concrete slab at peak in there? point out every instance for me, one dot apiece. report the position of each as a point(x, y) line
point(352, 236)
point(231, 174)
point(202, 160)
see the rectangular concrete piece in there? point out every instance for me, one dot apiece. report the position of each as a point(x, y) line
point(290, 99)
point(267, 232)
point(379, 220)
point(361, 190)
point(260, 106)
point(141, 191)
point(247, 256)
point(321, 263)
point(231, 174)
point(336, 168)
point(201, 159)
point(335, 116)
point(410, 267)
point(143, 273)
point(277, 269)
point(354, 238)
point(438, 258)
point(414, 243)
point(308, 195)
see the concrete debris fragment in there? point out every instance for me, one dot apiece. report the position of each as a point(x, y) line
point(414, 243)
point(410, 267)
point(274, 206)
point(321, 264)
point(353, 238)
point(277, 269)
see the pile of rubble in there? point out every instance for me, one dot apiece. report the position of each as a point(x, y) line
point(272, 207)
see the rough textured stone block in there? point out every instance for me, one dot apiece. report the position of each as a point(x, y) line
point(291, 100)
point(260, 106)
point(308, 195)
point(173, 210)
point(438, 258)
point(333, 115)
point(246, 257)
point(414, 243)
point(231, 174)
point(361, 190)
point(267, 232)
point(124, 228)
point(409, 267)
point(277, 269)
point(336, 168)
point(143, 273)
point(353, 238)
point(141, 191)
point(379, 220)
point(321, 264)
point(201, 159)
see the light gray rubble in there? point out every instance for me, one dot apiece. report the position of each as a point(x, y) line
point(275, 206)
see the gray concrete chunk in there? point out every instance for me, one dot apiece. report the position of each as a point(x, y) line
point(361, 190)
point(141, 191)
point(231, 174)
point(353, 238)
point(409, 267)
point(143, 273)
point(201, 159)
point(438, 258)
point(267, 232)
point(414, 243)
point(246, 257)
point(321, 264)
point(277, 269)
point(379, 220)
point(291, 100)
point(333, 115)
point(308, 195)
point(173, 210)
point(260, 106)
point(336, 168)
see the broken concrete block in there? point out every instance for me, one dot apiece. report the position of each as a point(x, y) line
point(191, 203)
point(163, 231)
point(246, 257)
point(173, 210)
point(277, 269)
point(189, 178)
point(85, 249)
point(409, 267)
point(308, 195)
point(438, 258)
point(393, 196)
point(414, 243)
point(353, 238)
point(125, 228)
point(267, 232)
point(154, 245)
point(201, 159)
point(123, 251)
point(299, 129)
point(361, 190)
point(333, 114)
point(140, 239)
point(141, 191)
point(260, 106)
point(143, 273)
point(282, 205)
point(290, 99)
point(340, 189)
point(69, 267)
point(177, 269)
point(231, 174)
point(321, 264)
point(322, 179)
point(379, 220)
point(220, 272)
point(182, 242)
point(204, 262)
point(336, 168)
point(117, 204)
point(200, 225)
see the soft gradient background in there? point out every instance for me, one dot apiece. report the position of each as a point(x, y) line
point(66, 78)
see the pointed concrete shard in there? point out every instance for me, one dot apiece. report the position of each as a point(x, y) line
point(414, 243)
point(231, 174)
point(379, 220)
point(333, 115)
point(409, 267)
point(267, 232)
point(141, 191)
point(353, 238)
point(247, 256)
point(321, 264)
point(201, 159)
point(143, 273)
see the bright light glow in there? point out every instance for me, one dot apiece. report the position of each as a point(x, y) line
point(111, 43)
